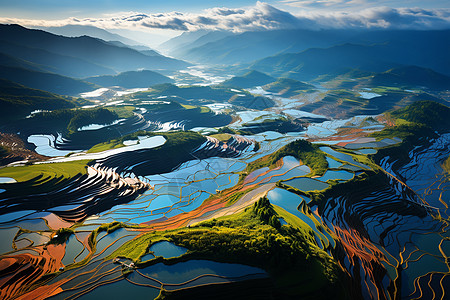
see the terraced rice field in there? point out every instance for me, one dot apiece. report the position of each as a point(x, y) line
point(390, 234)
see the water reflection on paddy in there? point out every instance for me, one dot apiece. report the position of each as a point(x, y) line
point(45, 145)
point(15, 216)
point(367, 151)
point(7, 180)
point(185, 271)
point(341, 175)
point(73, 249)
point(343, 157)
point(167, 249)
point(162, 201)
point(333, 164)
point(290, 202)
point(121, 290)
point(7, 235)
point(374, 144)
point(306, 184)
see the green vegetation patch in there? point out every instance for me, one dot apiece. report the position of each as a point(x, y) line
point(122, 112)
point(415, 124)
point(16, 101)
point(288, 87)
point(223, 137)
point(308, 153)
point(41, 177)
point(253, 237)
point(182, 139)
point(429, 113)
point(45, 171)
point(446, 165)
point(69, 120)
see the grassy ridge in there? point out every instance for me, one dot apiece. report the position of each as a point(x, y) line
point(308, 153)
point(414, 124)
point(41, 178)
point(17, 101)
point(65, 170)
point(429, 113)
point(253, 237)
point(183, 139)
point(67, 121)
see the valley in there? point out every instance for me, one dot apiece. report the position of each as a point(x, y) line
point(270, 178)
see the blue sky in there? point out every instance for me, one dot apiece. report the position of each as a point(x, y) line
point(92, 8)
point(171, 17)
point(52, 9)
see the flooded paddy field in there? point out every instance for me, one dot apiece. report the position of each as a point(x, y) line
point(128, 216)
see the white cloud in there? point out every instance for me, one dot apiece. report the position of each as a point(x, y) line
point(322, 3)
point(384, 17)
point(264, 17)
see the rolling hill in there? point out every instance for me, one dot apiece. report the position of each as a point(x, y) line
point(288, 87)
point(344, 104)
point(411, 77)
point(17, 101)
point(46, 81)
point(131, 79)
point(250, 79)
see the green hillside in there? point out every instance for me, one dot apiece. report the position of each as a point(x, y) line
point(430, 113)
point(411, 77)
point(46, 81)
point(17, 101)
point(131, 79)
point(288, 87)
point(250, 79)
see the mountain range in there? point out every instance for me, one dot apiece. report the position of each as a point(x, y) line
point(79, 56)
point(306, 54)
point(92, 31)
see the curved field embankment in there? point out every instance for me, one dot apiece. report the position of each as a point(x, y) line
point(74, 198)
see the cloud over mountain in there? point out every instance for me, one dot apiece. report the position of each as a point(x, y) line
point(263, 16)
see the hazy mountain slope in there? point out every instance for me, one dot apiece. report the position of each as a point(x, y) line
point(250, 79)
point(53, 62)
point(287, 87)
point(18, 101)
point(87, 48)
point(143, 49)
point(131, 79)
point(92, 31)
point(410, 77)
point(314, 62)
point(250, 46)
point(10, 61)
point(183, 49)
point(45, 81)
point(181, 40)
point(339, 59)
point(411, 47)
point(344, 104)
